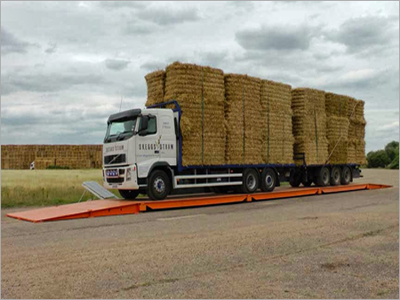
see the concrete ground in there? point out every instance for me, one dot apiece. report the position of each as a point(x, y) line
point(330, 246)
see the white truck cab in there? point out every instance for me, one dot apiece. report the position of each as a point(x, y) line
point(136, 141)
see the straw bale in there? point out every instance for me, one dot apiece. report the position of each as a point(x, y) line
point(155, 87)
point(337, 127)
point(243, 119)
point(200, 93)
point(276, 110)
point(309, 125)
point(336, 105)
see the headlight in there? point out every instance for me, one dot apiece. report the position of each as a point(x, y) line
point(128, 174)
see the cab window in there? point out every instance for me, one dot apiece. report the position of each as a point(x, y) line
point(151, 126)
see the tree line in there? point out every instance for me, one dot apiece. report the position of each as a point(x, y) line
point(385, 158)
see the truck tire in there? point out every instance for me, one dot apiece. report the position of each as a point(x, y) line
point(159, 185)
point(295, 179)
point(268, 180)
point(250, 181)
point(335, 176)
point(323, 177)
point(346, 175)
point(129, 194)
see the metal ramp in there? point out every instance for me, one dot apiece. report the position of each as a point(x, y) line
point(97, 190)
point(110, 207)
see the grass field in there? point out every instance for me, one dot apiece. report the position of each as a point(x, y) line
point(45, 187)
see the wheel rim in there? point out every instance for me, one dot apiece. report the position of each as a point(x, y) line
point(336, 175)
point(251, 182)
point(347, 174)
point(159, 185)
point(269, 181)
point(325, 176)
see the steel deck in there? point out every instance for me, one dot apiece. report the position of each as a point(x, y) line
point(110, 207)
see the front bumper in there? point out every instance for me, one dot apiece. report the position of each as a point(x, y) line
point(126, 179)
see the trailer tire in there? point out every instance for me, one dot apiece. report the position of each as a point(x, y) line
point(268, 180)
point(129, 194)
point(323, 177)
point(346, 175)
point(295, 179)
point(251, 181)
point(159, 185)
point(307, 183)
point(335, 176)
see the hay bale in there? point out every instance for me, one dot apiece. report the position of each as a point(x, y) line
point(309, 125)
point(243, 119)
point(155, 87)
point(336, 105)
point(276, 110)
point(200, 93)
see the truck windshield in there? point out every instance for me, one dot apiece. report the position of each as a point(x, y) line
point(120, 130)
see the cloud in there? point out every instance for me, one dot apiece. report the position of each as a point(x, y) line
point(169, 16)
point(42, 83)
point(276, 38)
point(116, 64)
point(153, 65)
point(51, 49)
point(364, 33)
point(11, 44)
point(122, 4)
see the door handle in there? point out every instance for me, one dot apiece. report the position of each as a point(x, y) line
point(156, 151)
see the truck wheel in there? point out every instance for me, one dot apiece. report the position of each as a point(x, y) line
point(295, 179)
point(250, 181)
point(307, 183)
point(346, 175)
point(129, 194)
point(159, 185)
point(268, 180)
point(335, 176)
point(323, 178)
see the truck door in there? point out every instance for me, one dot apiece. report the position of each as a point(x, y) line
point(147, 145)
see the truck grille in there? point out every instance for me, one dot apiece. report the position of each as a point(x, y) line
point(119, 160)
point(115, 180)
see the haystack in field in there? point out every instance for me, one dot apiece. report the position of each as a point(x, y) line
point(155, 87)
point(243, 119)
point(309, 125)
point(200, 92)
point(276, 109)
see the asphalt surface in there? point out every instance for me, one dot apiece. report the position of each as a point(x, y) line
point(330, 246)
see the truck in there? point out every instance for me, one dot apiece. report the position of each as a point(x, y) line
point(142, 154)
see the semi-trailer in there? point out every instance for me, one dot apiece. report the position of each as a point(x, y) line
point(142, 154)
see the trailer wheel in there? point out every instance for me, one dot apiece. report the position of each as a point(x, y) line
point(250, 181)
point(295, 179)
point(129, 194)
point(346, 175)
point(268, 180)
point(307, 183)
point(323, 178)
point(335, 176)
point(159, 185)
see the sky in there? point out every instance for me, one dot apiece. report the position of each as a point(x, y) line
point(65, 66)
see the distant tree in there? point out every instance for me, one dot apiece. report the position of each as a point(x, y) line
point(391, 148)
point(395, 162)
point(378, 159)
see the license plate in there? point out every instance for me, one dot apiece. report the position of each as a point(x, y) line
point(112, 173)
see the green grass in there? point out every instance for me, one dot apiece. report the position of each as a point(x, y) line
point(45, 187)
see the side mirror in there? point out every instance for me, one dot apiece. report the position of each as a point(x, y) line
point(144, 123)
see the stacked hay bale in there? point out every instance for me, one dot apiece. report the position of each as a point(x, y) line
point(277, 135)
point(243, 119)
point(309, 125)
point(71, 156)
point(337, 128)
point(200, 93)
point(155, 87)
point(356, 131)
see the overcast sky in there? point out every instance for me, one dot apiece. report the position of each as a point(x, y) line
point(66, 65)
